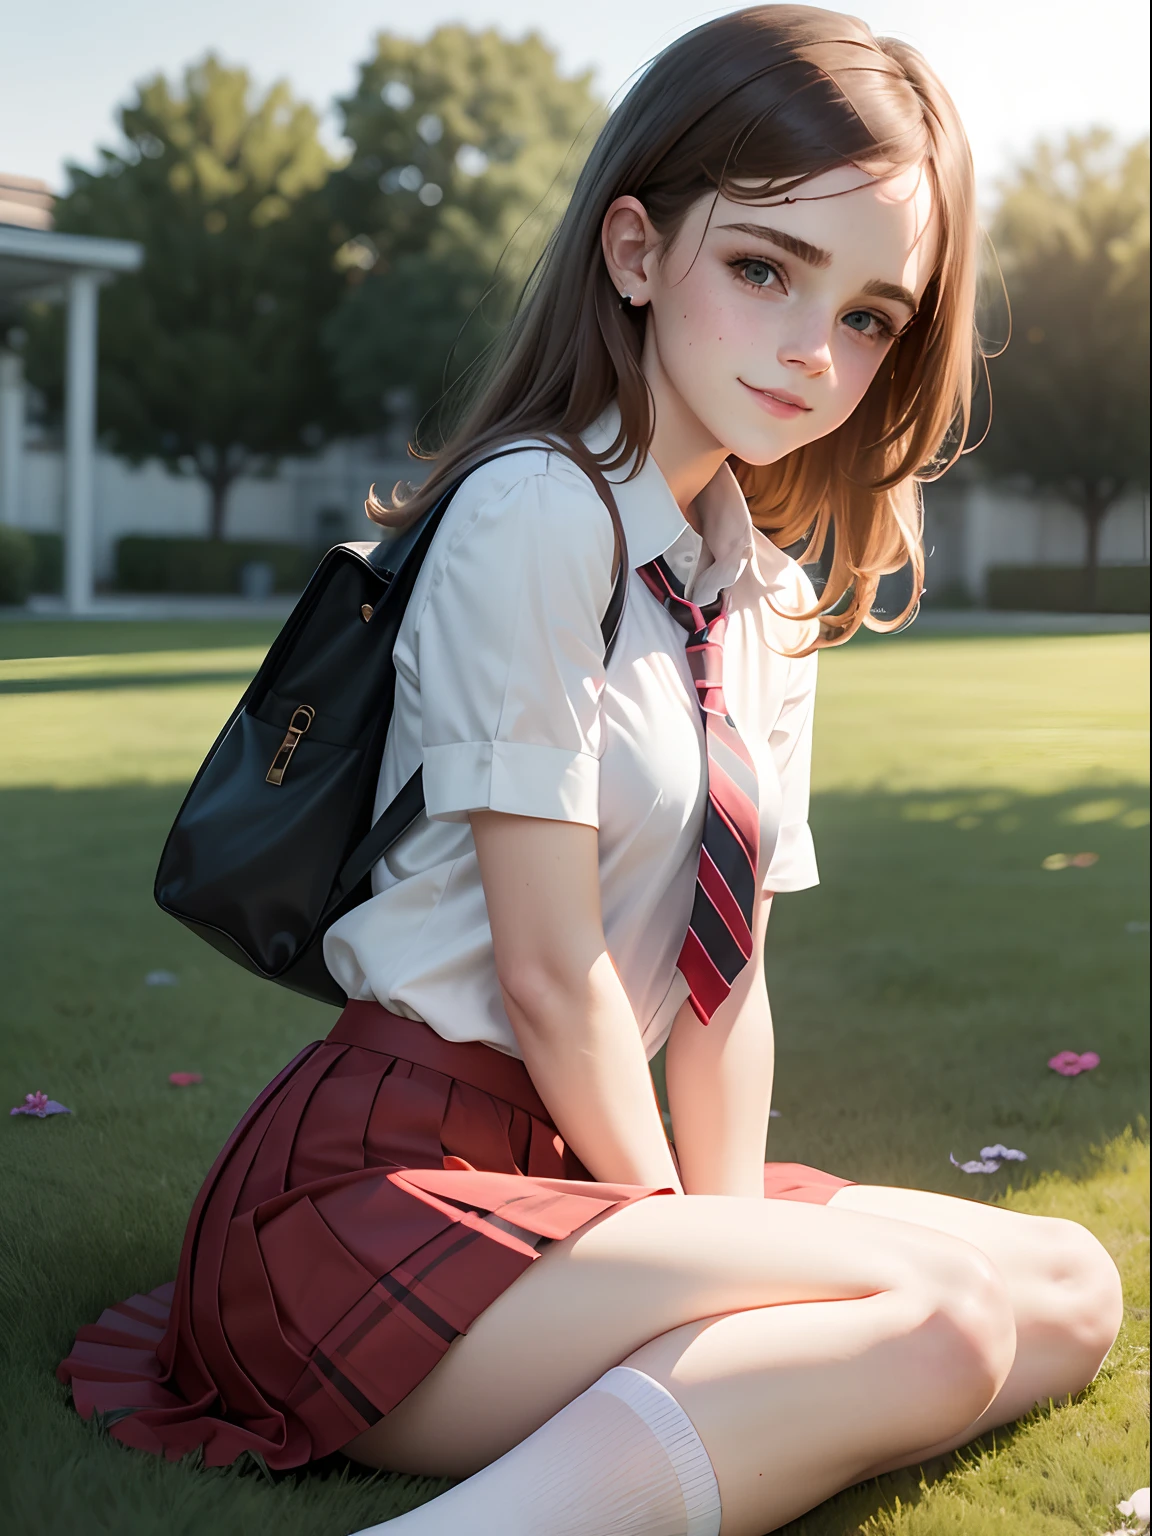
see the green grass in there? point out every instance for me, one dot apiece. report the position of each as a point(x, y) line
point(918, 993)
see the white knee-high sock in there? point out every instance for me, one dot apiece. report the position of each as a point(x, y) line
point(622, 1459)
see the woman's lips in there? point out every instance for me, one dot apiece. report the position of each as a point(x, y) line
point(778, 402)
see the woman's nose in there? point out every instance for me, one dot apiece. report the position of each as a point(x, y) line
point(807, 347)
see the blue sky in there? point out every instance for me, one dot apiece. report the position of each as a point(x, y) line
point(1017, 68)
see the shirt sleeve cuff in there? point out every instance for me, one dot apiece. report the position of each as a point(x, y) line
point(514, 777)
point(793, 865)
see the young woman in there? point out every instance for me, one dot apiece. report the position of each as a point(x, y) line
point(453, 1237)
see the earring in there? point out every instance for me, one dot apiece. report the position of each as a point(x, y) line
point(626, 301)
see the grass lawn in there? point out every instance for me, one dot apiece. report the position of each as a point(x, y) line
point(918, 993)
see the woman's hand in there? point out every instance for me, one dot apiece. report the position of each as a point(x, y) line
point(719, 1081)
point(565, 1001)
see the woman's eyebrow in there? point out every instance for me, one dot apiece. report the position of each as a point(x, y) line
point(816, 256)
point(812, 255)
point(879, 289)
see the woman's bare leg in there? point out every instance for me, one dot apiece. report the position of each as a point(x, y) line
point(788, 1399)
point(852, 1336)
point(1063, 1286)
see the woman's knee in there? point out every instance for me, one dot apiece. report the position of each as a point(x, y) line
point(964, 1331)
point(1079, 1293)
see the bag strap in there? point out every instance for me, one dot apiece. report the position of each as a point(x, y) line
point(576, 450)
point(407, 805)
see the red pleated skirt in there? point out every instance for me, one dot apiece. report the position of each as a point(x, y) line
point(382, 1191)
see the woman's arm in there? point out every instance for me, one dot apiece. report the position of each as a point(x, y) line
point(719, 1080)
point(566, 1004)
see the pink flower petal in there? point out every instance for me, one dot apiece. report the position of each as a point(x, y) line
point(1072, 1063)
point(184, 1079)
point(1067, 1063)
point(1084, 860)
point(40, 1105)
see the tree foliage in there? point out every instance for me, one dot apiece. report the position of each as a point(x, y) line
point(1070, 395)
point(462, 144)
point(210, 357)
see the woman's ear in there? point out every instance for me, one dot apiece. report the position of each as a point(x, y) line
point(627, 236)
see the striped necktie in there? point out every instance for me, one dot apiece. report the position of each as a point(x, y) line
point(719, 940)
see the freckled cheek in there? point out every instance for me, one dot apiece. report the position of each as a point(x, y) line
point(713, 323)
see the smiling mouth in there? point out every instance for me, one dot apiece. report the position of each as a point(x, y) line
point(779, 402)
point(780, 395)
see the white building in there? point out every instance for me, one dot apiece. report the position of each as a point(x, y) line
point(93, 499)
point(307, 501)
point(37, 262)
point(970, 526)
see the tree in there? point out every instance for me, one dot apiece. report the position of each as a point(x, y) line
point(459, 141)
point(210, 356)
point(1070, 395)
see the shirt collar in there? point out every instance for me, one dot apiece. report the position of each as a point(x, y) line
point(653, 521)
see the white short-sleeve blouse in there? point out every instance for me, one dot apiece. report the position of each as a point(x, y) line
point(502, 693)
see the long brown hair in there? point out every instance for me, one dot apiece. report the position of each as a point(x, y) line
point(775, 94)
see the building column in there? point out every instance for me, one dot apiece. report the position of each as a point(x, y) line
point(11, 434)
point(80, 440)
point(979, 542)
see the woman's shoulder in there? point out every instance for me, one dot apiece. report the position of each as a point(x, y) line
point(530, 515)
point(780, 590)
point(526, 493)
point(532, 470)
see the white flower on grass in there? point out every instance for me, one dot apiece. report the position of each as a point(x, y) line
point(990, 1159)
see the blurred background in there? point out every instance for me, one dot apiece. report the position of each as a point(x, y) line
point(244, 250)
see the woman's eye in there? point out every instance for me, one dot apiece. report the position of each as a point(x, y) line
point(868, 324)
point(759, 273)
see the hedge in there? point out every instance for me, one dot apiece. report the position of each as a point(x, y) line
point(1062, 589)
point(29, 562)
point(146, 564)
point(16, 561)
point(47, 562)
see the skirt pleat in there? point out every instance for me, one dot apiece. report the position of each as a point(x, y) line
point(379, 1194)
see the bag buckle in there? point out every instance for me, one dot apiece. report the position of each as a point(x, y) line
point(302, 718)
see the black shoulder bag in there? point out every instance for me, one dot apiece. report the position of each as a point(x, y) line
point(275, 838)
